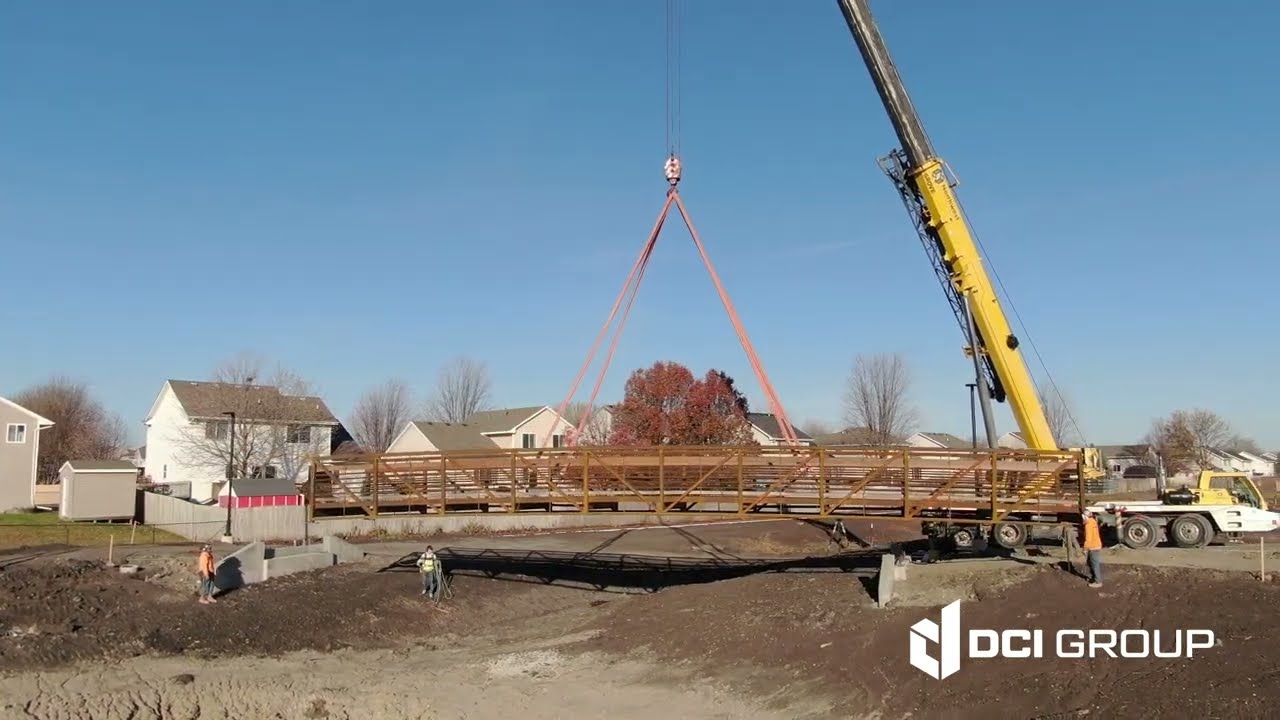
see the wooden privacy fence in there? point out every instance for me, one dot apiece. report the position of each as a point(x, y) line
point(817, 481)
point(206, 523)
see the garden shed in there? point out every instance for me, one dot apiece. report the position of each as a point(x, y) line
point(260, 492)
point(98, 489)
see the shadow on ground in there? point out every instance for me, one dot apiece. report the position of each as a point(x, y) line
point(617, 572)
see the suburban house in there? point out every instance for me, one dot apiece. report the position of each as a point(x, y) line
point(1012, 441)
point(190, 434)
point(19, 450)
point(509, 428)
point(137, 456)
point(1130, 461)
point(849, 437)
point(938, 441)
point(766, 430)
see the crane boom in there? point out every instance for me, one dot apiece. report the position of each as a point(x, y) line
point(927, 190)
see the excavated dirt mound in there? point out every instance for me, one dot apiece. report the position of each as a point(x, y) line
point(816, 635)
point(800, 644)
point(64, 611)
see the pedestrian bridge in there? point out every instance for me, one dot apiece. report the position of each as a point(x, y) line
point(743, 481)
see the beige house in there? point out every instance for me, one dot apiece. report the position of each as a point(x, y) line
point(939, 441)
point(508, 428)
point(19, 450)
point(766, 430)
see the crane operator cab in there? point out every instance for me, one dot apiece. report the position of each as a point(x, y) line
point(1218, 488)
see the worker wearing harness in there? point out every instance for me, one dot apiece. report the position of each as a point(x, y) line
point(1093, 549)
point(429, 567)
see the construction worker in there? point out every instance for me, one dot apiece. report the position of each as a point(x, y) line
point(1093, 549)
point(429, 566)
point(204, 566)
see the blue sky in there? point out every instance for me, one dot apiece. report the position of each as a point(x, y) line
point(362, 193)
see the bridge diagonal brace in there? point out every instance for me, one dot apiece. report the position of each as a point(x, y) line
point(723, 461)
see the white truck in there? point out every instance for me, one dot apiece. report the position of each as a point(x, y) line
point(1191, 517)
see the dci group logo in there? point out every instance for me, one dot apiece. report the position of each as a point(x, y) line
point(947, 637)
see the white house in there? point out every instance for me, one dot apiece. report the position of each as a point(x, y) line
point(190, 438)
point(766, 430)
point(1254, 463)
point(1012, 441)
point(938, 441)
point(1130, 460)
point(509, 428)
point(19, 453)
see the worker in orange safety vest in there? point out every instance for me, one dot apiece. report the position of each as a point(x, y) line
point(204, 566)
point(1093, 549)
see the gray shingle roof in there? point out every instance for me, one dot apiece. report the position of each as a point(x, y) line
point(848, 436)
point(501, 420)
point(1114, 452)
point(454, 436)
point(97, 465)
point(263, 487)
point(947, 440)
point(769, 425)
point(209, 400)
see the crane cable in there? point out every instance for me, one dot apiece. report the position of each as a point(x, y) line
point(1066, 408)
point(675, 53)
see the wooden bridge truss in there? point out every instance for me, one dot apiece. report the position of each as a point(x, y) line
point(903, 483)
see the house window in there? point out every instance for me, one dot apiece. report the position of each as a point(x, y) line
point(527, 440)
point(267, 471)
point(299, 434)
point(557, 441)
point(217, 430)
point(16, 433)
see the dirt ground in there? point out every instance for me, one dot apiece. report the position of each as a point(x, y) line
point(758, 620)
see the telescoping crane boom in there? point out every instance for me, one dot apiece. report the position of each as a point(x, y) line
point(927, 190)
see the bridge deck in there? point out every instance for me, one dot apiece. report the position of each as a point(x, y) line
point(817, 481)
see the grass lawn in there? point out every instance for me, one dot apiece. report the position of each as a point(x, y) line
point(24, 529)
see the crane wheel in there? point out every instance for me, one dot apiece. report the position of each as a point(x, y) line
point(1190, 531)
point(1009, 536)
point(1138, 532)
point(964, 538)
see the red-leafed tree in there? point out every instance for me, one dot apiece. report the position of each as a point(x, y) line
point(666, 405)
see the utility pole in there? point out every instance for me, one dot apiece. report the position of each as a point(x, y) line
point(231, 474)
point(973, 413)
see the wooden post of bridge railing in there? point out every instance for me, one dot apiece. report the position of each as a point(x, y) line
point(375, 489)
point(822, 482)
point(741, 503)
point(444, 483)
point(586, 475)
point(662, 486)
point(995, 478)
point(513, 483)
point(906, 483)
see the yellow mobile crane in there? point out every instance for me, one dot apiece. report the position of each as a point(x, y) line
point(927, 190)
point(1221, 502)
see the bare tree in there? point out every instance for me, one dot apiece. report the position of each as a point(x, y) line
point(595, 431)
point(1186, 438)
point(380, 414)
point(1243, 442)
point(817, 427)
point(82, 427)
point(278, 425)
point(462, 388)
point(876, 398)
point(1058, 413)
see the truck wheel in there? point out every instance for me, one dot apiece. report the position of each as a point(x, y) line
point(1138, 532)
point(964, 537)
point(1190, 531)
point(1009, 536)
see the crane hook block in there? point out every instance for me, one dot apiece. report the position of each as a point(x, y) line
point(672, 170)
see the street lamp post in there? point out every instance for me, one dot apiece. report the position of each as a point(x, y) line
point(231, 473)
point(973, 414)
